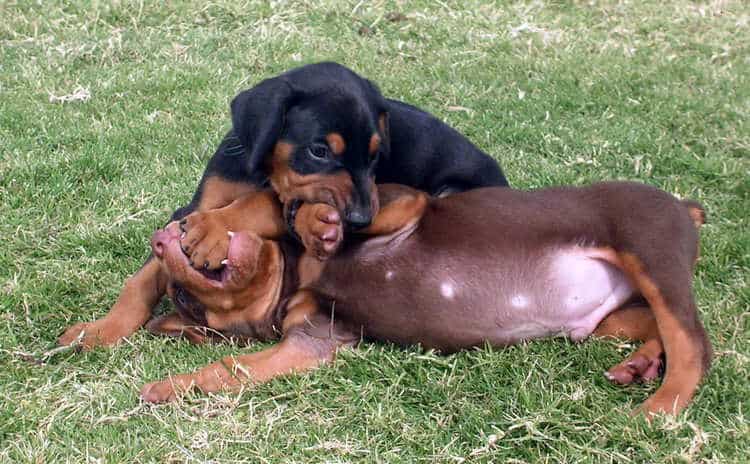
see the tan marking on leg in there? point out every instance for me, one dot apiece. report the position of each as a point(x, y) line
point(319, 228)
point(684, 358)
point(401, 213)
point(217, 192)
point(630, 322)
point(383, 124)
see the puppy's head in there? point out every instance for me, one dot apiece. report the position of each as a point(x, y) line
point(319, 131)
point(250, 271)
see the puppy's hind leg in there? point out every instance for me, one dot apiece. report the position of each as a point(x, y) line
point(666, 283)
point(634, 323)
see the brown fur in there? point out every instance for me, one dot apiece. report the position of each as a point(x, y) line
point(685, 347)
point(218, 192)
point(655, 245)
point(141, 292)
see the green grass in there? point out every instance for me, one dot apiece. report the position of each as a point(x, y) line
point(559, 92)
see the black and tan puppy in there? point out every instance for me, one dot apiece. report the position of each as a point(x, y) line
point(486, 266)
point(318, 133)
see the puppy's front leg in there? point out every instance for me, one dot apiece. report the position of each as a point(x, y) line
point(310, 339)
point(141, 293)
point(205, 239)
point(320, 228)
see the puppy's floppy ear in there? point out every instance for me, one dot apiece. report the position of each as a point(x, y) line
point(384, 126)
point(258, 118)
point(381, 105)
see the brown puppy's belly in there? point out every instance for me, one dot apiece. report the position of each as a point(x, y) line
point(568, 292)
point(502, 299)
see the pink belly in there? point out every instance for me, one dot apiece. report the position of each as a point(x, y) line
point(571, 294)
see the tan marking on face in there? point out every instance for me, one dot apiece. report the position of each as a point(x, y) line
point(334, 189)
point(374, 144)
point(336, 142)
point(218, 192)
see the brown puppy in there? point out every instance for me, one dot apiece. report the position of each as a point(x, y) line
point(486, 266)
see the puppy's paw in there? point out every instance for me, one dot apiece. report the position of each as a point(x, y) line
point(637, 368)
point(158, 392)
point(89, 335)
point(204, 239)
point(320, 229)
point(209, 379)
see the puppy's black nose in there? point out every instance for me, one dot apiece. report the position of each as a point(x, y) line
point(358, 219)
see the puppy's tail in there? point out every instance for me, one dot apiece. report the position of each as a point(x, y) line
point(696, 212)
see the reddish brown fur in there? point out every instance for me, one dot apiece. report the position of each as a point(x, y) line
point(688, 360)
point(218, 192)
point(206, 241)
point(310, 339)
point(140, 294)
point(144, 289)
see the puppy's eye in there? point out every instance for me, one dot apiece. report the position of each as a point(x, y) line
point(318, 151)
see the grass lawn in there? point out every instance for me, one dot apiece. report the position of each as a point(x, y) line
point(109, 110)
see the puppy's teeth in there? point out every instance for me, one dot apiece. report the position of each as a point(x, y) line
point(230, 233)
point(225, 262)
point(182, 236)
point(608, 375)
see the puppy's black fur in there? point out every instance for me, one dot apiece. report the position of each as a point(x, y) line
point(304, 105)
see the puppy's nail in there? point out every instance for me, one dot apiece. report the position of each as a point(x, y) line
point(230, 233)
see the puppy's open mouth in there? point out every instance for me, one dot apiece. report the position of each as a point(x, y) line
point(217, 275)
point(242, 255)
